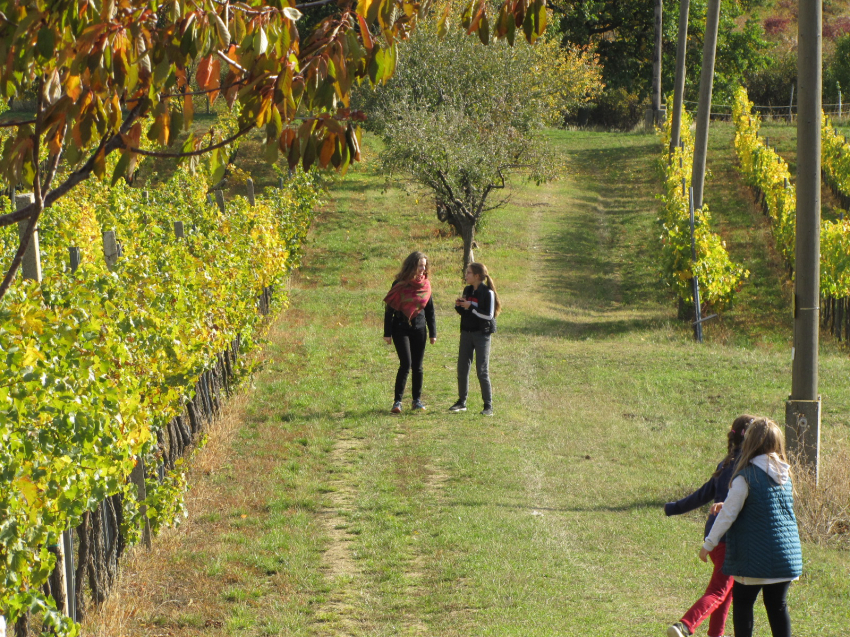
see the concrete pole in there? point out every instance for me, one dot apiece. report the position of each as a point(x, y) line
point(679, 88)
point(802, 413)
point(706, 85)
point(31, 263)
point(652, 114)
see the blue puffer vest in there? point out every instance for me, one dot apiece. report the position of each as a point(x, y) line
point(764, 541)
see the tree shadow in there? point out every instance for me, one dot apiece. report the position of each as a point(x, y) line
point(638, 505)
point(600, 266)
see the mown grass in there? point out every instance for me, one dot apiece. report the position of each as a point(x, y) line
point(334, 518)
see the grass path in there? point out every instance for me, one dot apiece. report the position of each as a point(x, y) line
point(328, 516)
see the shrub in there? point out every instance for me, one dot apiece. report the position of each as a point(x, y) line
point(822, 507)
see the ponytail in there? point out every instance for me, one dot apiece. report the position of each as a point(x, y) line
point(479, 269)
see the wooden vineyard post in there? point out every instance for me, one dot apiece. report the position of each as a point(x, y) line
point(178, 230)
point(75, 257)
point(137, 477)
point(219, 198)
point(791, 105)
point(110, 249)
point(31, 264)
point(249, 186)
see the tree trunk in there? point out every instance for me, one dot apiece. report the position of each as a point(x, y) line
point(467, 231)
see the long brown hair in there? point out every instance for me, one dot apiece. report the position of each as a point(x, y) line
point(410, 264)
point(480, 270)
point(734, 440)
point(763, 437)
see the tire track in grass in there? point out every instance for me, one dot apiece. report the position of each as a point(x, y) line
point(340, 612)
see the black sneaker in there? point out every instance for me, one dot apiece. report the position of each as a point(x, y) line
point(458, 407)
point(418, 406)
point(487, 411)
point(396, 407)
point(678, 630)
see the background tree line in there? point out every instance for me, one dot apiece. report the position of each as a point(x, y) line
point(756, 47)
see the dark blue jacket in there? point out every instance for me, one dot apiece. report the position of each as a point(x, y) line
point(716, 489)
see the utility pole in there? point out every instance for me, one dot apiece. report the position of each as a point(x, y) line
point(656, 65)
point(653, 113)
point(803, 409)
point(706, 84)
point(679, 88)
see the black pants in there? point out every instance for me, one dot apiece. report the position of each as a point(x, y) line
point(410, 345)
point(775, 603)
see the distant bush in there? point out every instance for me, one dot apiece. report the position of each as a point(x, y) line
point(771, 86)
point(776, 25)
point(614, 109)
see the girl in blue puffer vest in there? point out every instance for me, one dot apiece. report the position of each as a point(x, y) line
point(762, 542)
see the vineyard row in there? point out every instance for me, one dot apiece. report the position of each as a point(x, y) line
point(113, 367)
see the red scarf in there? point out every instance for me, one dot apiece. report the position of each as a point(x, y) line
point(409, 297)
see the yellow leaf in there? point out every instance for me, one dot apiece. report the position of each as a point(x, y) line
point(28, 489)
point(32, 355)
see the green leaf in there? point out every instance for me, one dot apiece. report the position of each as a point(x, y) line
point(239, 29)
point(46, 42)
point(221, 30)
point(261, 42)
point(121, 167)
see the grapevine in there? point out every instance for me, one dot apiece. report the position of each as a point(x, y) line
point(98, 361)
point(767, 173)
point(719, 277)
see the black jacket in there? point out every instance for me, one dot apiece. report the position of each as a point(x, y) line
point(481, 315)
point(395, 321)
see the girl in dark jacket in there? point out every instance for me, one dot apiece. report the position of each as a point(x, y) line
point(478, 307)
point(718, 596)
point(409, 308)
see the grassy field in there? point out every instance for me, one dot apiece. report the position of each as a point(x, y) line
point(325, 515)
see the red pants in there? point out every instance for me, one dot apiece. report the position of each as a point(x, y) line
point(716, 599)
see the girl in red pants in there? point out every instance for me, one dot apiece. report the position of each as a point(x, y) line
point(718, 596)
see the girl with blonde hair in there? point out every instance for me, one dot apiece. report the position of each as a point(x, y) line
point(762, 541)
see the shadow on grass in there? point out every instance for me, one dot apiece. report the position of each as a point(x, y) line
point(606, 326)
point(621, 508)
point(600, 267)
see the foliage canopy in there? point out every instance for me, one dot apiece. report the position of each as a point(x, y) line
point(458, 117)
point(108, 73)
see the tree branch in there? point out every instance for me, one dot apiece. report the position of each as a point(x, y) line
point(26, 237)
point(487, 191)
point(457, 202)
point(11, 124)
point(107, 145)
point(192, 153)
point(318, 3)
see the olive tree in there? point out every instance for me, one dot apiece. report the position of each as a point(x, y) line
point(457, 118)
